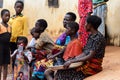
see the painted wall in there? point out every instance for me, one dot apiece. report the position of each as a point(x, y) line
point(39, 9)
point(36, 9)
point(113, 22)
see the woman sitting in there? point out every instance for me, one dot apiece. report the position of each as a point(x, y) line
point(92, 55)
point(73, 49)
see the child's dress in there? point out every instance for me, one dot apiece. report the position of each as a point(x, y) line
point(22, 65)
point(5, 34)
point(32, 42)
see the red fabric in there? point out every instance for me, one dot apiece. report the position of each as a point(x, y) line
point(84, 7)
point(82, 31)
point(40, 54)
point(54, 51)
point(91, 67)
point(74, 48)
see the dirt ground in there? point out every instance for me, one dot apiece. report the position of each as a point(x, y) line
point(111, 66)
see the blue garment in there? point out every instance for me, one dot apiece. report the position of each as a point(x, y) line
point(63, 39)
point(97, 1)
point(39, 75)
point(67, 40)
point(101, 11)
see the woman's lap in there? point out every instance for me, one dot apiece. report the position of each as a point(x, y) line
point(69, 74)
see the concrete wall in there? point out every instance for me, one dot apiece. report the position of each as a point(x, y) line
point(113, 22)
point(9, 4)
point(36, 9)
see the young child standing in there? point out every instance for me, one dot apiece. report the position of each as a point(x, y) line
point(23, 58)
point(5, 34)
point(19, 25)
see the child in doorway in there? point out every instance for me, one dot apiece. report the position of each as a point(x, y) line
point(23, 58)
point(5, 34)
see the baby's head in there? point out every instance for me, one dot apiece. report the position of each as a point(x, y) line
point(35, 33)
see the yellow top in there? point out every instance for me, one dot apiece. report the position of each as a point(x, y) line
point(19, 26)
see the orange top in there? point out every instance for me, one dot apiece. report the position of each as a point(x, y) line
point(74, 48)
point(4, 29)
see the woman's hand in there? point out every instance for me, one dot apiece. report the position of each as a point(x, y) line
point(51, 57)
point(48, 55)
point(29, 47)
point(67, 64)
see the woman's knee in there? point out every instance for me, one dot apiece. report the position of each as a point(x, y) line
point(0, 68)
point(48, 72)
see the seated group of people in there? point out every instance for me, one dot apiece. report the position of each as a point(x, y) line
point(42, 52)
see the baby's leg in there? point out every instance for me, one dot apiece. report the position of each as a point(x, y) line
point(49, 74)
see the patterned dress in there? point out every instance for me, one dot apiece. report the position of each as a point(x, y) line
point(95, 43)
point(84, 7)
point(44, 45)
point(21, 65)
